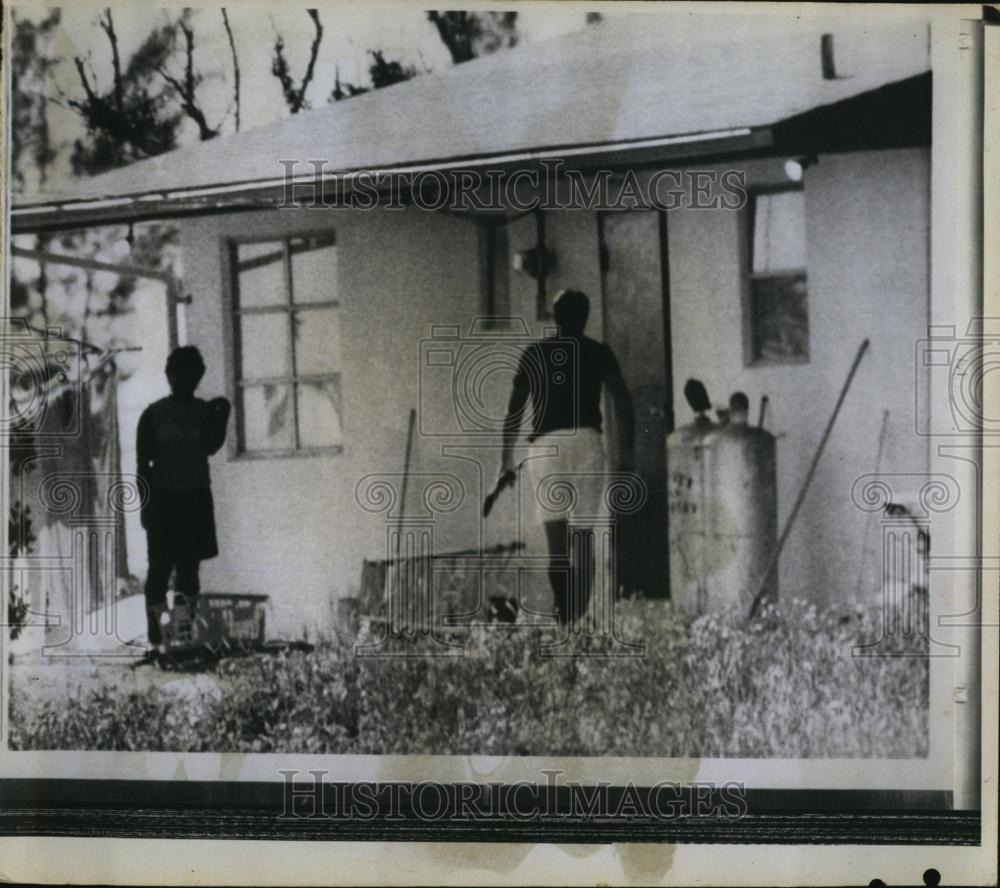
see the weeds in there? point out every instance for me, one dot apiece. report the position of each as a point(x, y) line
point(783, 686)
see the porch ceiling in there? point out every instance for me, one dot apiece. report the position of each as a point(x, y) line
point(625, 82)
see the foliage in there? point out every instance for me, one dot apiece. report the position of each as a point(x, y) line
point(385, 73)
point(133, 117)
point(784, 686)
point(466, 35)
point(21, 541)
point(382, 72)
point(471, 34)
point(31, 66)
point(139, 113)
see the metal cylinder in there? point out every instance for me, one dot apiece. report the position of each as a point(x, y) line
point(723, 519)
point(686, 529)
point(743, 520)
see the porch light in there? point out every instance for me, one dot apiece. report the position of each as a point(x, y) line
point(795, 167)
point(794, 170)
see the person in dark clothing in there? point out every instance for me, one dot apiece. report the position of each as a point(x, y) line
point(562, 380)
point(176, 435)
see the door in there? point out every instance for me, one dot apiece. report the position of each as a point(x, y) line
point(633, 263)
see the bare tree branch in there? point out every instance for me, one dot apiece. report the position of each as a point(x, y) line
point(295, 98)
point(87, 88)
point(236, 66)
point(313, 53)
point(108, 26)
point(187, 90)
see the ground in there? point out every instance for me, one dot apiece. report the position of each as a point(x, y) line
point(786, 685)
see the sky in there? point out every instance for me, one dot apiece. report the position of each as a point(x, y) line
point(400, 30)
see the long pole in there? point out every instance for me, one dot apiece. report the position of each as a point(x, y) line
point(400, 586)
point(406, 469)
point(805, 484)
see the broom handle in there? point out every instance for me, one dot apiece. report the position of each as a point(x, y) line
point(805, 485)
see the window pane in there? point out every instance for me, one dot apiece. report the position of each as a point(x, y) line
point(267, 418)
point(314, 269)
point(260, 275)
point(779, 232)
point(320, 413)
point(317, 341)
point(264, 346)
point(780, 318)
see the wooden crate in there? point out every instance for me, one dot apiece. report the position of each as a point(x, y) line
point(216, 622)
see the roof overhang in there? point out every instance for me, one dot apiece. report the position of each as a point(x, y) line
point(299, 185)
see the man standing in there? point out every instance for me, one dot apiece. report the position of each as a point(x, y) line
point(176, 435)
point(563, 379)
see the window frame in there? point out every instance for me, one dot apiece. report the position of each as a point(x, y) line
point(287, 307)
point(750, 276)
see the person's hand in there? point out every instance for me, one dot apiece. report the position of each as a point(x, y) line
point(220, 405)
point(506, 468)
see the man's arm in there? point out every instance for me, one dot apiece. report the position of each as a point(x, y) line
point(144, 461)
point(512, 423)
point(621, 402)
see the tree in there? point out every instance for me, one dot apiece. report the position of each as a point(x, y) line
point(139, 113)
point(236, 66)
point(132, 118)
point(136, 115)
point(32, 152)
point(465, 34)
point(295, 96)
point(385, 73)
point(187, 87)
point(343, 89)
point(468, 35)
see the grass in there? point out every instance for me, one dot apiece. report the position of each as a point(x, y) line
point(784, 686)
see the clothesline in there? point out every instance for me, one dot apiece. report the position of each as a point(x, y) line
point(83, 342)
point(106, 356)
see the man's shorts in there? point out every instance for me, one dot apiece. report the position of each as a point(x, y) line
point(571, 483)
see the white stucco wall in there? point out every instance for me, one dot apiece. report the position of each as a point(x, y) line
point(290, 527)
point(867, 240)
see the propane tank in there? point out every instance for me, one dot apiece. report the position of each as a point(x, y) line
point(731, 528)
point(742, 522)
point(686, 486)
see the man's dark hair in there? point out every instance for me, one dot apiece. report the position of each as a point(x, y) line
point(186, 360)
point(571, 308)
point(697, 397)
point(738, 401)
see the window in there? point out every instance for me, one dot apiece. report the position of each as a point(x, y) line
point(286, 335)
point(778, 328)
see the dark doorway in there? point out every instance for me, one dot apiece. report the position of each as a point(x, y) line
point(636, 325)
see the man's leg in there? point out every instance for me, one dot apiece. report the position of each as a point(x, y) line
point(157, 578)
point(559, 566)
point(188, 583)
point(582, 565)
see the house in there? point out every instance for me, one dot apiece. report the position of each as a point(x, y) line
point(802, 150)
